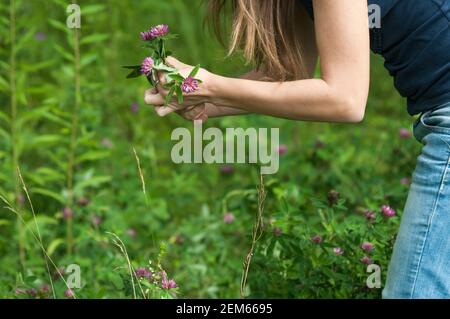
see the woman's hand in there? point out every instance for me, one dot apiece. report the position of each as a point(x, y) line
point(193, 102)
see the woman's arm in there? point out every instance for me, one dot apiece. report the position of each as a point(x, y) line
point(340, 95)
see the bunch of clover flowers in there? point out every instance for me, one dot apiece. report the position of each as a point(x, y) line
point(155, 39)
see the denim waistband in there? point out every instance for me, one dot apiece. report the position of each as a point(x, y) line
point(436, 120)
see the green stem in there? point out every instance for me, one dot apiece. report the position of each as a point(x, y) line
point(73, 138)
point(14, 151)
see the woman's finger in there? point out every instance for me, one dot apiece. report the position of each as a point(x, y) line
point(153, 98)
point(164, 110)
point(175, 63)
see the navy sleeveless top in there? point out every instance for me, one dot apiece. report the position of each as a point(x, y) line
point(414, 40)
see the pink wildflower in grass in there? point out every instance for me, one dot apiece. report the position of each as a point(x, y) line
point(134, 107)
point(226, 170)
point(317, 239)
point(189, 85)
point(107, 143)
point(282, 149)
point(388, 211)
point(367, 246)
point(338, 251)
point(67, 213)
point(404, 133)
point(147, 66)
point(32, 292)
point(277, 232)
point(146, 36)
point(333, 197)
point(159, 31)
point(167, 283)
point(96, 221)
point(20, 291)
point(69, 293)
point(143, 272)
point(319, 144)
point(228, 218)
point(370, 215)
point(405, 181)
point(40, 36)
point(366, 260)
point(132, 232)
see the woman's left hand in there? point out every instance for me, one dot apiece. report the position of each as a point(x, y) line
point(156, 96)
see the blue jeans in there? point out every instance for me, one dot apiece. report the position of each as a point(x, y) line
point(420, 265)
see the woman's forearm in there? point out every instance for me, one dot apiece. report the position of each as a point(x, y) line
point(213, 111)
point(310, 100)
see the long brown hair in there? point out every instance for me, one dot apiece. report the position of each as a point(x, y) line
point(266, 32)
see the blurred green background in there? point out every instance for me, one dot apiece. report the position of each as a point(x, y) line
point(75, 152)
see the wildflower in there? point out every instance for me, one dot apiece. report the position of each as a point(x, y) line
point(317, 239)
point(282, 149)
point(20, 291)
point(405, 181)
point(69, 293)
point(32, 292)
point(96, 221)
point(333, 197)
point(319, 144)
point(143, 272)
point(228, 218)
point(107, 143)
point(366, 260)
point(189, 85)
point(83, 201)
point(338, 251)
point(167, 283)
point(370, 215)
point(40, 36)
point(179, 239)
point(57, 274)
point(67, 213)
point(147, 66)
point(45, 289)
point(404, 133)
point(134, 107)
point(367, 246)
point(132, 232)
point(20, 199)
point(227, 170)
point(277, 232)
point(159, 31)
point(387, 211)
point(146, 36)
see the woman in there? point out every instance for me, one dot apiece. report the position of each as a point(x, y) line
point(284, 39)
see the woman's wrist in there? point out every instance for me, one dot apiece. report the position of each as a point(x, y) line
point(211, 89)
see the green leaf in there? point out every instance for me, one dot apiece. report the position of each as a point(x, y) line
point(64, 53)
point(131, 67)
point(170, 95)
point(88, 59)
point(54, 245)
point(94, 38)
point(48, 193)
point(179, 94)
point(4, 222)
point(91, 9)
point(134, 74)
point(91, 182)
point(164, 68)
point(174, 77)
point(194, 71)
point(59, 25)
point(91, 156)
